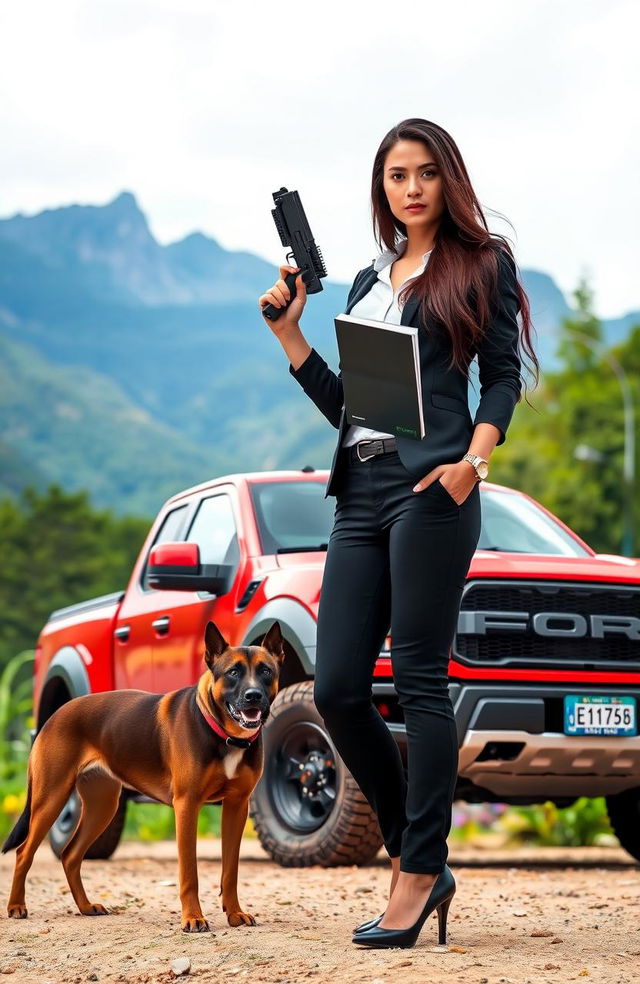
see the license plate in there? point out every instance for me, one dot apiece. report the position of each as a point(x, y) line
point(599, 715)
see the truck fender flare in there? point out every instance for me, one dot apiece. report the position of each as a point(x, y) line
point(66, 668)
point(298, 628)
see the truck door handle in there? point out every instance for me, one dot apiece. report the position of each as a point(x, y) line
point(162, 625)
point(122, 633)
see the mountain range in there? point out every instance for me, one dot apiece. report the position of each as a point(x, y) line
point(135, 369)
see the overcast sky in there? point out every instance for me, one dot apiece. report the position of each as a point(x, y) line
point(204, 108)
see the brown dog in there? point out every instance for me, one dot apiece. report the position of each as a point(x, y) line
point(201, 744)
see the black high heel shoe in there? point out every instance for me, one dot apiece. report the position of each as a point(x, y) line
point(442, 891)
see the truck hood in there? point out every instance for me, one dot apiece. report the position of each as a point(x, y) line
point(599, 567)
point(495, 563)
point(308, 560)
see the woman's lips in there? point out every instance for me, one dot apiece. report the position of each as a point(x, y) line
point(415, 208)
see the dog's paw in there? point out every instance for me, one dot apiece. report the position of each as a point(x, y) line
point(195, 924)
point(18, 911)
point(240, 918)
point(94, 909)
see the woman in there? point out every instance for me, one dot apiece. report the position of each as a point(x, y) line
point(407, 517)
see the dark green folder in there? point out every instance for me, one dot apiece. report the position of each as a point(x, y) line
point(380, 366)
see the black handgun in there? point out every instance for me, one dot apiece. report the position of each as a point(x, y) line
point(294, 230)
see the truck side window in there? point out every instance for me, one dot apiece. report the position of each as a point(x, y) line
point(168, 532)
point(214, 530)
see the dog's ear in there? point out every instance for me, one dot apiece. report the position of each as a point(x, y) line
point(274, 643)
point(215, 644)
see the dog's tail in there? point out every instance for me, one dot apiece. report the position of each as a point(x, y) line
point(21, 829)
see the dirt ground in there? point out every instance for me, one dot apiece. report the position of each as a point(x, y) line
point(526, 916)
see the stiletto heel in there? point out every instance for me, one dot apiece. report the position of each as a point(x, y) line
point(442, 891)
point(443, 909)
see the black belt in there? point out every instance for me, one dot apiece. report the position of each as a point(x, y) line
point(363, 450)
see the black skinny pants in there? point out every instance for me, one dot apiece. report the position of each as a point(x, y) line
point(399, 559)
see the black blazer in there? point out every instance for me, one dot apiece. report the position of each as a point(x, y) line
point(444, 391)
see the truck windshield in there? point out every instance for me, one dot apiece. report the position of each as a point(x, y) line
point(292, 516)
point(515, 525)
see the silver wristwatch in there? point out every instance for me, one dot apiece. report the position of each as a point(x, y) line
point(481, 465)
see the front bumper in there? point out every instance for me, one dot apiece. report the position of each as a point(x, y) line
point(512, 745)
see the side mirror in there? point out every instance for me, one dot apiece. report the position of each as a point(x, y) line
point(177, 567)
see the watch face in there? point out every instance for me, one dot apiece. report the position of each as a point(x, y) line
point(483, 469)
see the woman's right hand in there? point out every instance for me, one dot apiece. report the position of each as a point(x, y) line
point(278, 295)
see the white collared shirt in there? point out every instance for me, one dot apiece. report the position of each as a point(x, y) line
point(381, 304)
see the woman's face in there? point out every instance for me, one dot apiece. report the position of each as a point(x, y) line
point(411, 176)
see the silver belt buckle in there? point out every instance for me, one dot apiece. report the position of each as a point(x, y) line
point(360, 456)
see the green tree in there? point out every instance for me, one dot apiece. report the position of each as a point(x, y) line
point(580, 404)
point(577, 355)
point(56, 550)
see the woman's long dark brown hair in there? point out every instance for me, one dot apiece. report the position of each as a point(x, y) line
point(459, 284)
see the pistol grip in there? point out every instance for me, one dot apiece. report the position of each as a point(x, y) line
point(271, 311)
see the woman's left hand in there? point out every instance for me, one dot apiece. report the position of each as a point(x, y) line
point(458, 479)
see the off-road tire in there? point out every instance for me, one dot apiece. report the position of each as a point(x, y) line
point(349, 834)
point(104, 845)
point(624, 816)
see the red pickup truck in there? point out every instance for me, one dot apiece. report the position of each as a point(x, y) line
point(544, 668)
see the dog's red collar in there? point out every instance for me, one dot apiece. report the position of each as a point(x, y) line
point(229, 739)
